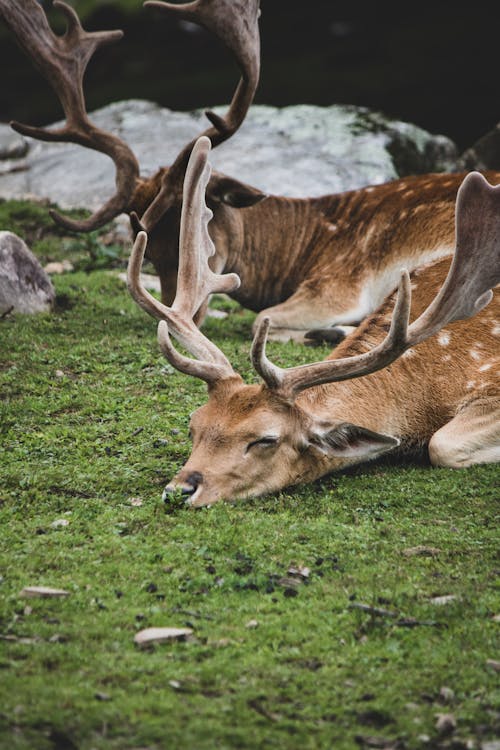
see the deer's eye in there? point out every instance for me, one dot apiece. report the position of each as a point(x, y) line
point(264, 442)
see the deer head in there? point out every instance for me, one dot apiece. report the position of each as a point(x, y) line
point(62, 60)
point(253, 439)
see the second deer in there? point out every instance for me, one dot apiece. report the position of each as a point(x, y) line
point(304, 263)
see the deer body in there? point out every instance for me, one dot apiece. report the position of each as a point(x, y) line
point(453, 406)
point(318, 262)
point(391, 384)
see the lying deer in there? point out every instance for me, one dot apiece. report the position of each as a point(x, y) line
point(304, 263)
point(389, 384)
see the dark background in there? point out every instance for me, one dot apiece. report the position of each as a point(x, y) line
point(435, 65)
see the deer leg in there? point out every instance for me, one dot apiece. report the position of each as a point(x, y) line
point(312, 308)
point(471, 437)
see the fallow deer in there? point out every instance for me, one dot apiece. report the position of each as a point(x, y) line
point(390, 384)
point(304, 263)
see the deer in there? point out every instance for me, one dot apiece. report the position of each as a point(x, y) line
point(305, 263)
point(389, 385)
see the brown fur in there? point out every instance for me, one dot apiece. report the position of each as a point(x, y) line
point(448, 383)
point(312, 263)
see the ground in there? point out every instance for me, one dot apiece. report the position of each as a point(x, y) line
point(348, 613)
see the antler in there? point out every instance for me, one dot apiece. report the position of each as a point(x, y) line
point(195, 279)
point(235, 22)
point(62, 60)
point(475, 270)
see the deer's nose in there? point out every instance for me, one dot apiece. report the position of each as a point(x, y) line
point(186, 487)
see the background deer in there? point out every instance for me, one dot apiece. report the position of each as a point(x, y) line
point(304, 263)
point(389, 384)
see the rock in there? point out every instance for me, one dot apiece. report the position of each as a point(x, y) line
point(302, 150)
point(161, 635)
point(24, 285)
point(421, 550)
point(59, 522)
point(446, 694)
point(445, 723)
point(493, 664)
point(252, 624)
point(12, 145)
point(43, 592)
point(57, 267)
point(442, 600)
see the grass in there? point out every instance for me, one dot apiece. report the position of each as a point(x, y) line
point(93, 422)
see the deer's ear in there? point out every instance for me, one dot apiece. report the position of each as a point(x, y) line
point(348, 440)
point(233, 193)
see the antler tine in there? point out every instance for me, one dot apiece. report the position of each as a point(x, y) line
point(195, 280)
point(62, 60)
point(475, 270)
point(235, 22)
point(291, 381)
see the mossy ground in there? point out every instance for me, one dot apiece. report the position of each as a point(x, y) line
point(93, 422)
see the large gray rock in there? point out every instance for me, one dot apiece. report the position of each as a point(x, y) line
point(24, 285)
point(301, 150)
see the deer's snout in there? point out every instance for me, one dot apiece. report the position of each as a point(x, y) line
point(187, 486)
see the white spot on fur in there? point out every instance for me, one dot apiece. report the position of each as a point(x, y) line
point(470, 384)
point(369, 189)
point(485, 367)
point(409, 353)
point(474, 354)
point(444, 338)
point(401, 187)
point(496, 330)
point(332, 227)
point(446, 357)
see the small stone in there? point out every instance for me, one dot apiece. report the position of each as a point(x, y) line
point(421, 550)
point(496, 618)
point(252, 624)
point(59, 373)
point(442, 600)
point(300, 571)
point(56, 267)
point(135, 501)
point(175, 684)
point(42, 591)
point(161, 635)
point(445, 723)
point(59, 522)
point(102, 696)
point(446, 694)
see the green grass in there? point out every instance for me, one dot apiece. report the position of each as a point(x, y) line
point(92, 417)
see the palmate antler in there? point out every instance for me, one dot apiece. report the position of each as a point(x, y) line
point(62, 60)
point(475, 270)
point(234, 22)
point(195, 279)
